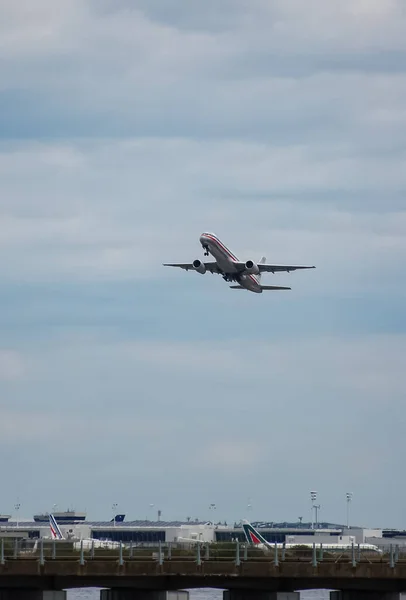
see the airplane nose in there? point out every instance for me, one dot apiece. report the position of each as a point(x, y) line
point(204, 243)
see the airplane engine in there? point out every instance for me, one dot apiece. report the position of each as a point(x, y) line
point(199, 266)
point(251, 268)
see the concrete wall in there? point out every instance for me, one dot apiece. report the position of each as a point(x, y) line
point(200, 532)
point(386, 542)
point(361, 534)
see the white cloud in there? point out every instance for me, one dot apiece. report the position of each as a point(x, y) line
point(309, 410)
point(130, 127)
point(96, 212)
point(363, 369)
point(230, 455)
point(67, 430)
point(12, 365)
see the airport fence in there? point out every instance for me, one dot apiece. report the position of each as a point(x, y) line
point(43, 550)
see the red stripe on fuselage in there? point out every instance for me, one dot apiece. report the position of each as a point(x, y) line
point(216, 241)
point(254, 280)
point(212, 238)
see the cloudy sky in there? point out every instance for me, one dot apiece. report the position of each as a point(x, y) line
point(126, 129)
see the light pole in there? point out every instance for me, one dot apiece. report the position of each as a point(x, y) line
point(349, 498)
point(114, 508)
point(313, 496)
point(212, 507)
point(17, 507)
point(316, 508)
point(151, 507)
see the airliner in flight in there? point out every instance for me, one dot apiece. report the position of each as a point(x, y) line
point(246, 274)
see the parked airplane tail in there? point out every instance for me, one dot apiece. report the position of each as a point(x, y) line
point(263, 287)
point(252, 535)
point(82, 543)
point(56, 533)
point(117, 519)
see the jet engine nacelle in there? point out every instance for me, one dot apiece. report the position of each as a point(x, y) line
point(251, 268)
point(199, 266)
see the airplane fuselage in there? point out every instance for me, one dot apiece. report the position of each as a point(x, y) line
point(268, 548)
point(225, 260)
point(246, 274)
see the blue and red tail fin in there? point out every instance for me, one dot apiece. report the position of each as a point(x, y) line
point(252, 535)
point(56, 533)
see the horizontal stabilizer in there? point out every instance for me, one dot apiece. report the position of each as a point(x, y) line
point(263, 287)
point(274, 287)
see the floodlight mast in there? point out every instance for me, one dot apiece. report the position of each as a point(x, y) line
point(213, 507)
point(114, 509)
point(317, 508)
point(313, 497)
point(17, 508)
point(349, 498)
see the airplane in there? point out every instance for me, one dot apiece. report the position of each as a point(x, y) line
point(254, 538)
point(86, 543)
point(246, 274)
point(191, 540)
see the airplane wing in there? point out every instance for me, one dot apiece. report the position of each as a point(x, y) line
point(263, 267)
point(210, 266)
point(278, 268)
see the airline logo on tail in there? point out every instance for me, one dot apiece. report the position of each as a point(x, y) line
point(252, 535)
point(56, 533)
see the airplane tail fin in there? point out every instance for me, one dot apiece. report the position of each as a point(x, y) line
point(261, 262)
point(117, 519)
point(252, 535)
point(56, 533)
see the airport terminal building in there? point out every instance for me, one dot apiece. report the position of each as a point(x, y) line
point(153, 532)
